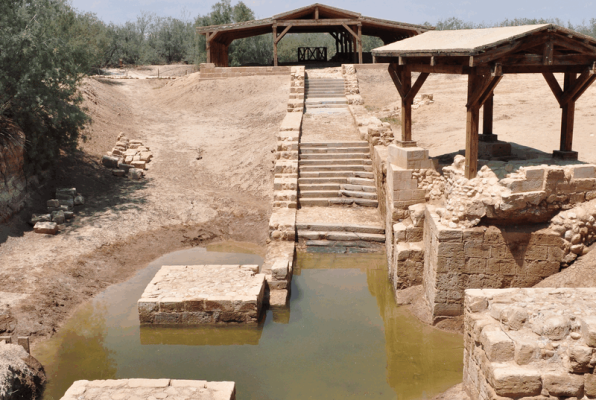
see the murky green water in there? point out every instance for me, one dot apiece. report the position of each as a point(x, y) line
point(342, 338)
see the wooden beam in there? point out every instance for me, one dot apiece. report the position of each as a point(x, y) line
point(282, 34)
point(316, 12)
point(554, 86)
point(417, 85)
point(568, 116)
point(395, 76)
point(577, 85)
point(274, 46)
point(547, 57)
point(483, 88)
point(499, 52)
point(350, 31)
point(406, 106)
point(584, 88)
point(487, 115)
point(318, 22)
point(574, 45)
point(472, 123)
point(359, 44)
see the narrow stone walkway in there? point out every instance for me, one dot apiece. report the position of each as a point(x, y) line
point(337, 195)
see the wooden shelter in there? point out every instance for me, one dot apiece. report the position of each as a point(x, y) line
point(345, 26)
point(486, 55)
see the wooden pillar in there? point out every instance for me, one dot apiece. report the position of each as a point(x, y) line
point(472, 123)
point(208, 46)
point(406, 106)
point(487, 120)
point(274, 45)
point(359, 44)
point(568, 115)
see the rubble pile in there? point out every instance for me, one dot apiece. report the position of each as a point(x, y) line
point(59, 210)
point(128, 158)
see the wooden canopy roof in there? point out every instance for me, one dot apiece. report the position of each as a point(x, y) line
point(485, 55)
point(516, 49)
point(345, 26)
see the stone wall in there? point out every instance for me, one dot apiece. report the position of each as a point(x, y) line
point(530, 343)
point(210, 71)
point(483, 257)
point(527, 191)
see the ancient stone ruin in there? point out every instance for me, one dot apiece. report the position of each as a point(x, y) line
point(530, 343)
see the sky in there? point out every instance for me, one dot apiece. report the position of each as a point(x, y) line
point(413, 11)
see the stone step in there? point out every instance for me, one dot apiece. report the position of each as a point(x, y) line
point(338, 174)
point(337, 201)
point(345, 167)
point(329, 156)
point(316, 106)
point(337, 90)
point(319, 227)
point(357, 188)
point(320, 181)
point(359, 181)
point(335, 162)
point(338, 246)
point(320, 186)
point(310, 96)
point(355, 143)
point(327, 101)
point(310, 194)
point(359, 194)
point(341, 236)
point(325, 150)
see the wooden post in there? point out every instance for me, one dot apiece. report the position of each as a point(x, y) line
point(406, 106)
point(472, 123)
point(208, 46)
point(316, 12)
point(354, 49)
point(568, 115)
point(359, 44)
point(487, 120)
point(275, 45)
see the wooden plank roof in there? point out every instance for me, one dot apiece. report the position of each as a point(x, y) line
point(470, 42)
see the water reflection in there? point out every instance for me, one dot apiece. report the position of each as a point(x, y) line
point(344, 338)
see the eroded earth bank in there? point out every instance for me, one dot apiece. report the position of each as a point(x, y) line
point(210, 179)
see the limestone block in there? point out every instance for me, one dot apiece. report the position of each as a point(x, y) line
point(35, 218)
point(116, 152)
point(79, 200)
point(516, 382)
point(146, 156)
point(53, 203)
point(555, 327)
point(408, 157)
point(590, 385)
point(58, 217)
point(139, 164)
point(561, 383)
point(65, 193)
point(119, 172)
point(135, 174)
point(497, 345)
point(583, 171)
point(130, 153)
point(588, 330)
point(50, 228)
point(280, 269)
point(68, 215)
point(579, 358)
point(285, 184)
point(109, 162)
point(136, 158)
point(124, 166)
point(136, 141)
point(67, 202)
point(285, 167)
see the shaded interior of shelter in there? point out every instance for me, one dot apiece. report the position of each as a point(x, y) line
point(342, 337)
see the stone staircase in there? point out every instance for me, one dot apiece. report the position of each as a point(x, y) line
point(325, 93)
point(336, 174)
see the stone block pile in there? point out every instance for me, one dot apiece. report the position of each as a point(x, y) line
point(352, 89)
point(203, 294)
point(59, 210)
point(530, 343)
point(296, 101)
point(150, 389)
point(407, 266)
point(128, 158)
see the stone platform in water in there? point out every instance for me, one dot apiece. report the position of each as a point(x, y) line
point(203, 294)
point(150, 389)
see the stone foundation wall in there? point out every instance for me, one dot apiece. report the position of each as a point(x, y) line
point(13, 182)
point(530, 343)
point(483, 257)
point(407, 266)
point(210, 71)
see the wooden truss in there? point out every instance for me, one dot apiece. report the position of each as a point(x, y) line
point(545, 52)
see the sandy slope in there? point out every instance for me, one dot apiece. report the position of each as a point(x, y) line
point(183, 201)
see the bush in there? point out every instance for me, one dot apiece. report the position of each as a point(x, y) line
point(42, 66)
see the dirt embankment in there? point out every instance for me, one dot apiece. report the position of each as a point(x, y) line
point(210, 179)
